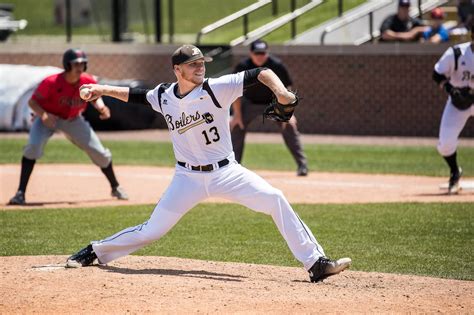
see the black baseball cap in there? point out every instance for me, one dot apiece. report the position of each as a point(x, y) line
point(404, 3)
point(187, 54)
point(259, 46)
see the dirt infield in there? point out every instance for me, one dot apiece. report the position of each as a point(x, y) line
point(134, 284)
point(170, 285)
point(67, 185)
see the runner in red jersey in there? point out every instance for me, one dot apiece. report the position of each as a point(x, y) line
point(61, 98)
point(57, 106)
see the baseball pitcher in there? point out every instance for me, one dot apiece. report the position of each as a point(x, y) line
point(197, 113)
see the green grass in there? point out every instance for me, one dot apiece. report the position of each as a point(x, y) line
point(187, 21)
point(424, 239)
point(41, 19)
point(328, 158)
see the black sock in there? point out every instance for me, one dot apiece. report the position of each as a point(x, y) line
point(109, 173)
point(452, 162)
point(26, 169)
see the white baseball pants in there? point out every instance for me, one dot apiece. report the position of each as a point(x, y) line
point(232, 182)
point(452, 123)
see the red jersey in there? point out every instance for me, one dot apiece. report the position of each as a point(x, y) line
point(58, 97)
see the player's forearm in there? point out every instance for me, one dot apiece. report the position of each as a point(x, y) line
point(401, 36)
point(118, 92)
point(36, 108)
point(436, 39)
point(390, 35)
point(271, 80)
point(98, 104)
point(440, 79)
point(237, 108)
point(125, 94)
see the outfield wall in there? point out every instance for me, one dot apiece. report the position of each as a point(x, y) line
point(380, 89)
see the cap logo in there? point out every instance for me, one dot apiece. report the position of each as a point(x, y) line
point(260, 46)
point(196, 51)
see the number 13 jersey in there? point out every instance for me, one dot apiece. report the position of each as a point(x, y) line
point(199, 122)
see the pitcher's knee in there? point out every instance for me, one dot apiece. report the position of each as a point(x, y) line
point(33, 151)
point(274, 198)
point(446, 148)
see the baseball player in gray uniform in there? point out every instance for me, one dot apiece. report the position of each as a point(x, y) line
point(57, 106)
point(197, 113)
point(454, 72)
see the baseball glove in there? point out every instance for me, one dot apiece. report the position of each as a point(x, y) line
point(462, 98)
point(280, 112)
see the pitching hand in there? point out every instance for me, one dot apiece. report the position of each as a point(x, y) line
point(96, 91)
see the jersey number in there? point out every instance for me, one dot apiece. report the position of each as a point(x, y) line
point(216, 135)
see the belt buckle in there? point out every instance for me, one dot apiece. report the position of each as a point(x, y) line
point(207, 168)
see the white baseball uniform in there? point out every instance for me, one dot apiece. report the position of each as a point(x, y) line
point(454, 119)
point(200, 134)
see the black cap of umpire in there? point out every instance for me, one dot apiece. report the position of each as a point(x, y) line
point(259, 46)
point(404, 3)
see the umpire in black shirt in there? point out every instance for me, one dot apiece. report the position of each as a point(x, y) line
point(254, 101)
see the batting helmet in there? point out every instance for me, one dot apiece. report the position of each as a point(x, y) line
point(74, 55)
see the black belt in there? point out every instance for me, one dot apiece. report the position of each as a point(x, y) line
point(205, 168)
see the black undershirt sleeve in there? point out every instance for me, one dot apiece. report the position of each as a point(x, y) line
point(438, 78)
point(138, 96)
point(251, 76)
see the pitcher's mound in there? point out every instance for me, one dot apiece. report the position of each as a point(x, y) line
point(171, 285)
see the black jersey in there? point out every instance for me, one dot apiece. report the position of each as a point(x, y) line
point(259, 93)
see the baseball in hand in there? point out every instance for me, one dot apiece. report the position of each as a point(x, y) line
point(85, 93)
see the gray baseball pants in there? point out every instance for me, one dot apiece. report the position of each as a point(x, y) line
point(77, 130)
point(289, 131)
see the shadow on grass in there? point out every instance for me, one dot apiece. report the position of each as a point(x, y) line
point(202, 274)
point(50, 203)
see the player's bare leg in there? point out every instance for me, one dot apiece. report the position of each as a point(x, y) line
point(79, 132)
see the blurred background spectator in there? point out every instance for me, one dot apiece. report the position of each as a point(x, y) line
point(436, 33)
point(401, 27)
